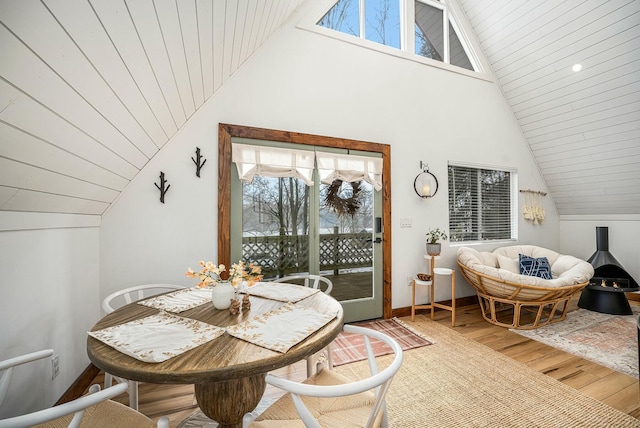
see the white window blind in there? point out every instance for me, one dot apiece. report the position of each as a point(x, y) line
point(333, 166)
point(480, 204)
point(272, 162)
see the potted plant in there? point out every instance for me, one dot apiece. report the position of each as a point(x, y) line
point(433, 241)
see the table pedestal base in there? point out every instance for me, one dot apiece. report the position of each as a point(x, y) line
point(228, 401)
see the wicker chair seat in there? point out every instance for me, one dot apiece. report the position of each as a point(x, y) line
point(499, 289)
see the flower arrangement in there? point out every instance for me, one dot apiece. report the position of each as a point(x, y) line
point(434, 235)
point(209, 274)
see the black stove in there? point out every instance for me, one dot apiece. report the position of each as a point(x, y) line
point(605, 292)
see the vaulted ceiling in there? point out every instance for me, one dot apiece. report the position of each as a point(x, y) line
point(583, 127)
point(95, 88)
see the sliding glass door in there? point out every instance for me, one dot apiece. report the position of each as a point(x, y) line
point(288, 226)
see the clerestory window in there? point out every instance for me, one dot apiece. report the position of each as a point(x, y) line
point(426, 28)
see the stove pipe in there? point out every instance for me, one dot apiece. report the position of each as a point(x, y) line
point(604, 263)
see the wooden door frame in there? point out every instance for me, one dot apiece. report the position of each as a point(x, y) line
point(226, 132)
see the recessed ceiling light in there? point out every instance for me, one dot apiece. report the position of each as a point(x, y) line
point(576, 67)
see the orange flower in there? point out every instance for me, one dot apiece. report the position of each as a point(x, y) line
point(254, 275)
point(190, 273)
point(209, 275)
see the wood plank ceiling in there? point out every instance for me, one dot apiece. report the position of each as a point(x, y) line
point(583, 127)
point(90, 90)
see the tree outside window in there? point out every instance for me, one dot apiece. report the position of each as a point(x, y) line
point(480, 204)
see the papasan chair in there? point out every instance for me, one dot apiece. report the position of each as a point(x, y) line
point(501, 287)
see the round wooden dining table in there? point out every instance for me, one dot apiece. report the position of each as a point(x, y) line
point(228, 373)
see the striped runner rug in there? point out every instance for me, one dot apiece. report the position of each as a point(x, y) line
point(349, 347)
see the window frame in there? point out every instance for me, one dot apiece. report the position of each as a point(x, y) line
point(513, 200)
point(407, 42)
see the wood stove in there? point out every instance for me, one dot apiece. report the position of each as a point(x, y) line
point(605, 292)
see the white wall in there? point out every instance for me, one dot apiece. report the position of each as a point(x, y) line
point(578, 237)
point(301, 81)
point(55, 268)
point(49, 299)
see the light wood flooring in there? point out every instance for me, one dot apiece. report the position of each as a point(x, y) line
point(615, 389)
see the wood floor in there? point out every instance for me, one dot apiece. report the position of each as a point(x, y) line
point(615, 389)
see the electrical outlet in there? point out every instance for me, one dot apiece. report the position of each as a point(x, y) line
point(409, 280)
point(55, 366)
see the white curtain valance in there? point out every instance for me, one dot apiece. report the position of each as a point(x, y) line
point(334, 166)
point(272, 162)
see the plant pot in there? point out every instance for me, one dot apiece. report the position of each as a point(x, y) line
point(434, 249)
point(222, 294)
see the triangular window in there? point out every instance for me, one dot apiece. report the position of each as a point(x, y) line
point(344, 16)
point(433, 33)
point(457, 52)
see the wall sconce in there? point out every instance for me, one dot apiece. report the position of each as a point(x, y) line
point(425, 184)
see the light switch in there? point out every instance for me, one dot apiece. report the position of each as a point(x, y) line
point(406, 222)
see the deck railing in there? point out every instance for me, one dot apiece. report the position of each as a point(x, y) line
point(284, 254)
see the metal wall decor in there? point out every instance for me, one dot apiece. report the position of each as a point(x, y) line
point(425, 184)
point(199, 161)
point(163, 187)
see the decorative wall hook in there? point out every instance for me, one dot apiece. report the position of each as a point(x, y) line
point(161, 187)
point(199, 164)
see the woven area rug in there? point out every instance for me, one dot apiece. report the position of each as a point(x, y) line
point(349, 347)
point(609, 340)
point(346, 348)
point(457, 382)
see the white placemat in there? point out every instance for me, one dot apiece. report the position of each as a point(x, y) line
point(179, 301)
point(281, 328)
point(280, 291)
point(157, 338)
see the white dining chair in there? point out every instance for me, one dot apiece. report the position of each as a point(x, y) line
point(363, 405)
point(325, 284)
point(7, 366)
point(123, 297)
point(95, 410)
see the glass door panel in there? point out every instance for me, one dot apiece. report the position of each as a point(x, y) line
point(275, 225)
point(346, 244)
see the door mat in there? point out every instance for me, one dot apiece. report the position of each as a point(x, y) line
point(349, 347)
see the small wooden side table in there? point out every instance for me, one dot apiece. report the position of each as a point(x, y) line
point(431, 284)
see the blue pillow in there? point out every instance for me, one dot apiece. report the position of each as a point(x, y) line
point(534, 267)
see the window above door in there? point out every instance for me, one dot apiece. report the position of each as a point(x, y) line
point(420, 28)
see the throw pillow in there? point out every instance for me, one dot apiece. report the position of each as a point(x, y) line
point(534, 266)
point(506, 263)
